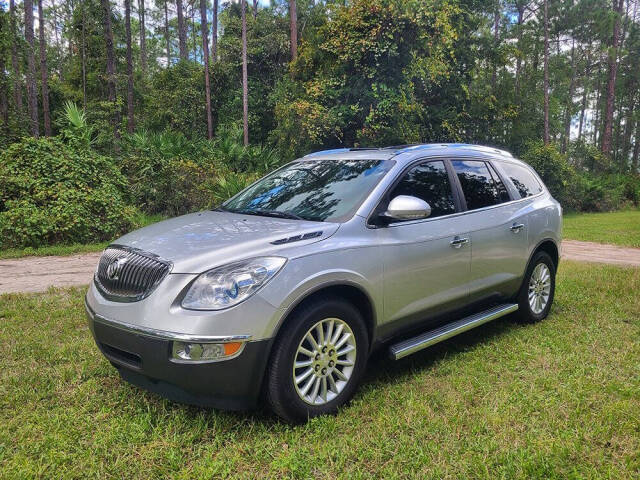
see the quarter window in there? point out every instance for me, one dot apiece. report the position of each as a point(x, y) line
point(429, 182)
point(524, 181)
point(478, 185)
point(503, 195)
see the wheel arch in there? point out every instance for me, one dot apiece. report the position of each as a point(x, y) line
point(344, 289)
point(549, 246)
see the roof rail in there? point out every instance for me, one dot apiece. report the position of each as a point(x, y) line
point(326, 152)
point(413, 148)
point(479, 148)
point(340, 150)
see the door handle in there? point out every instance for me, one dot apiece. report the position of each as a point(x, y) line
point(516, 227)
point(457, 242)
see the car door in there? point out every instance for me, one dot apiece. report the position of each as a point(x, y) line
point(498, 230)
point(426, 263)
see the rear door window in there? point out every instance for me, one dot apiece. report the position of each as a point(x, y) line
point(478, 185)
point(503, 194)
point(525, 182)
point(429, 182)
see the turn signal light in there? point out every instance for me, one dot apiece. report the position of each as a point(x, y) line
point(202, 352)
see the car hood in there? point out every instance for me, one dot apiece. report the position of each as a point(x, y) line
point(200, 241)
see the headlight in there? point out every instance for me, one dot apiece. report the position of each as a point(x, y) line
point(226, 286)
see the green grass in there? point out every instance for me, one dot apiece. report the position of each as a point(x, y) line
point(618, 228)
point(559, 399)
point(141, 220)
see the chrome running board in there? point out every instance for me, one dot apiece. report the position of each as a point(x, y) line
point(426, 339)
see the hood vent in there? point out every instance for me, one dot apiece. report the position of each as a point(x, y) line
point(296, 238)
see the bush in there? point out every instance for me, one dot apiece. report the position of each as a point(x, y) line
point(171, 174)
point(175, 98)
point(51, 192)
point(572, 181)
point(604, 193)
point(554, 169)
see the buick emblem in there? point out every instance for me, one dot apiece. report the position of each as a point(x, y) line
point(115, 268)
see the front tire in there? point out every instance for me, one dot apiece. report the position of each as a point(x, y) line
point(318, 360)
point(538, 288)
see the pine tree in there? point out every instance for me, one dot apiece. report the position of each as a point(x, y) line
point(205, 52)
point(127, 23)
point(245, 86)
point(43, 73)
point(32, 91)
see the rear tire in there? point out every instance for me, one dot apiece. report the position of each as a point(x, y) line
point(317, 360)
point(538, 288)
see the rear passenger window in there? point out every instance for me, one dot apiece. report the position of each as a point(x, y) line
point(429, 182)
point(503, 195)
point(478, 185)
point(524, 181)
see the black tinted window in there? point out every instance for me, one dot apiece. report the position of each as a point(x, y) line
point(522, 179)
point(429, 182)
point(478, 185)
point(503, 195)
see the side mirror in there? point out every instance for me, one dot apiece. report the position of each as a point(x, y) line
point(405, 207)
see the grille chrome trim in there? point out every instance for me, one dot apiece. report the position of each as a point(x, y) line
point(127, 274)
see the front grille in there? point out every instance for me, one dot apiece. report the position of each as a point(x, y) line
point(127, 275)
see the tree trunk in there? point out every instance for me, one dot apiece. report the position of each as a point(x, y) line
point(596, 120)
point(582, 110)
point(293, 19)
point(245, 86)
point(111, 66)
point(626, 141)
point(127, 27)
point(166, 32)
point(182, 31)
point(546, 73)
point(194, 33)
point(15, 62)
point(54, 10)
point(611, 81)
point(32, 90)
point(205, 51)
point(567, 113)
point(43, 72)
point(255, 9)
point(4, 103)
point(496, 38)
point(84, 62)
point(519, 57)
point(214, 33)
point(143, 37)
point(636, 150)
point(585, 92)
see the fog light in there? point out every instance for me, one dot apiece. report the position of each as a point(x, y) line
point(195, 352)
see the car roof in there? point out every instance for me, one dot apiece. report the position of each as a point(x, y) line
point(407, 153)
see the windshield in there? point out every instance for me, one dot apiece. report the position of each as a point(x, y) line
point(321, 190)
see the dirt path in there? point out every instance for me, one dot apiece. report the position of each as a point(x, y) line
point(37, 274)
point(598, 252)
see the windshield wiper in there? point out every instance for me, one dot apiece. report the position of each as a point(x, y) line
point(271, 213)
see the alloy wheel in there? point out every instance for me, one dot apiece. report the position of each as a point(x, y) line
point(539, 288)
point(324, 361)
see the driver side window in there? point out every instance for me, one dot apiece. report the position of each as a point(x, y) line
point(429, 182)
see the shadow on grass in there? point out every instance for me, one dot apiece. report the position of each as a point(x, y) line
point(381, 372)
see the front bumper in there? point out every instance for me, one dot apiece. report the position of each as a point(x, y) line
point(143, 358)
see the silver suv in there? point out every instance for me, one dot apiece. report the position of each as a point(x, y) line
point(287, 288)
